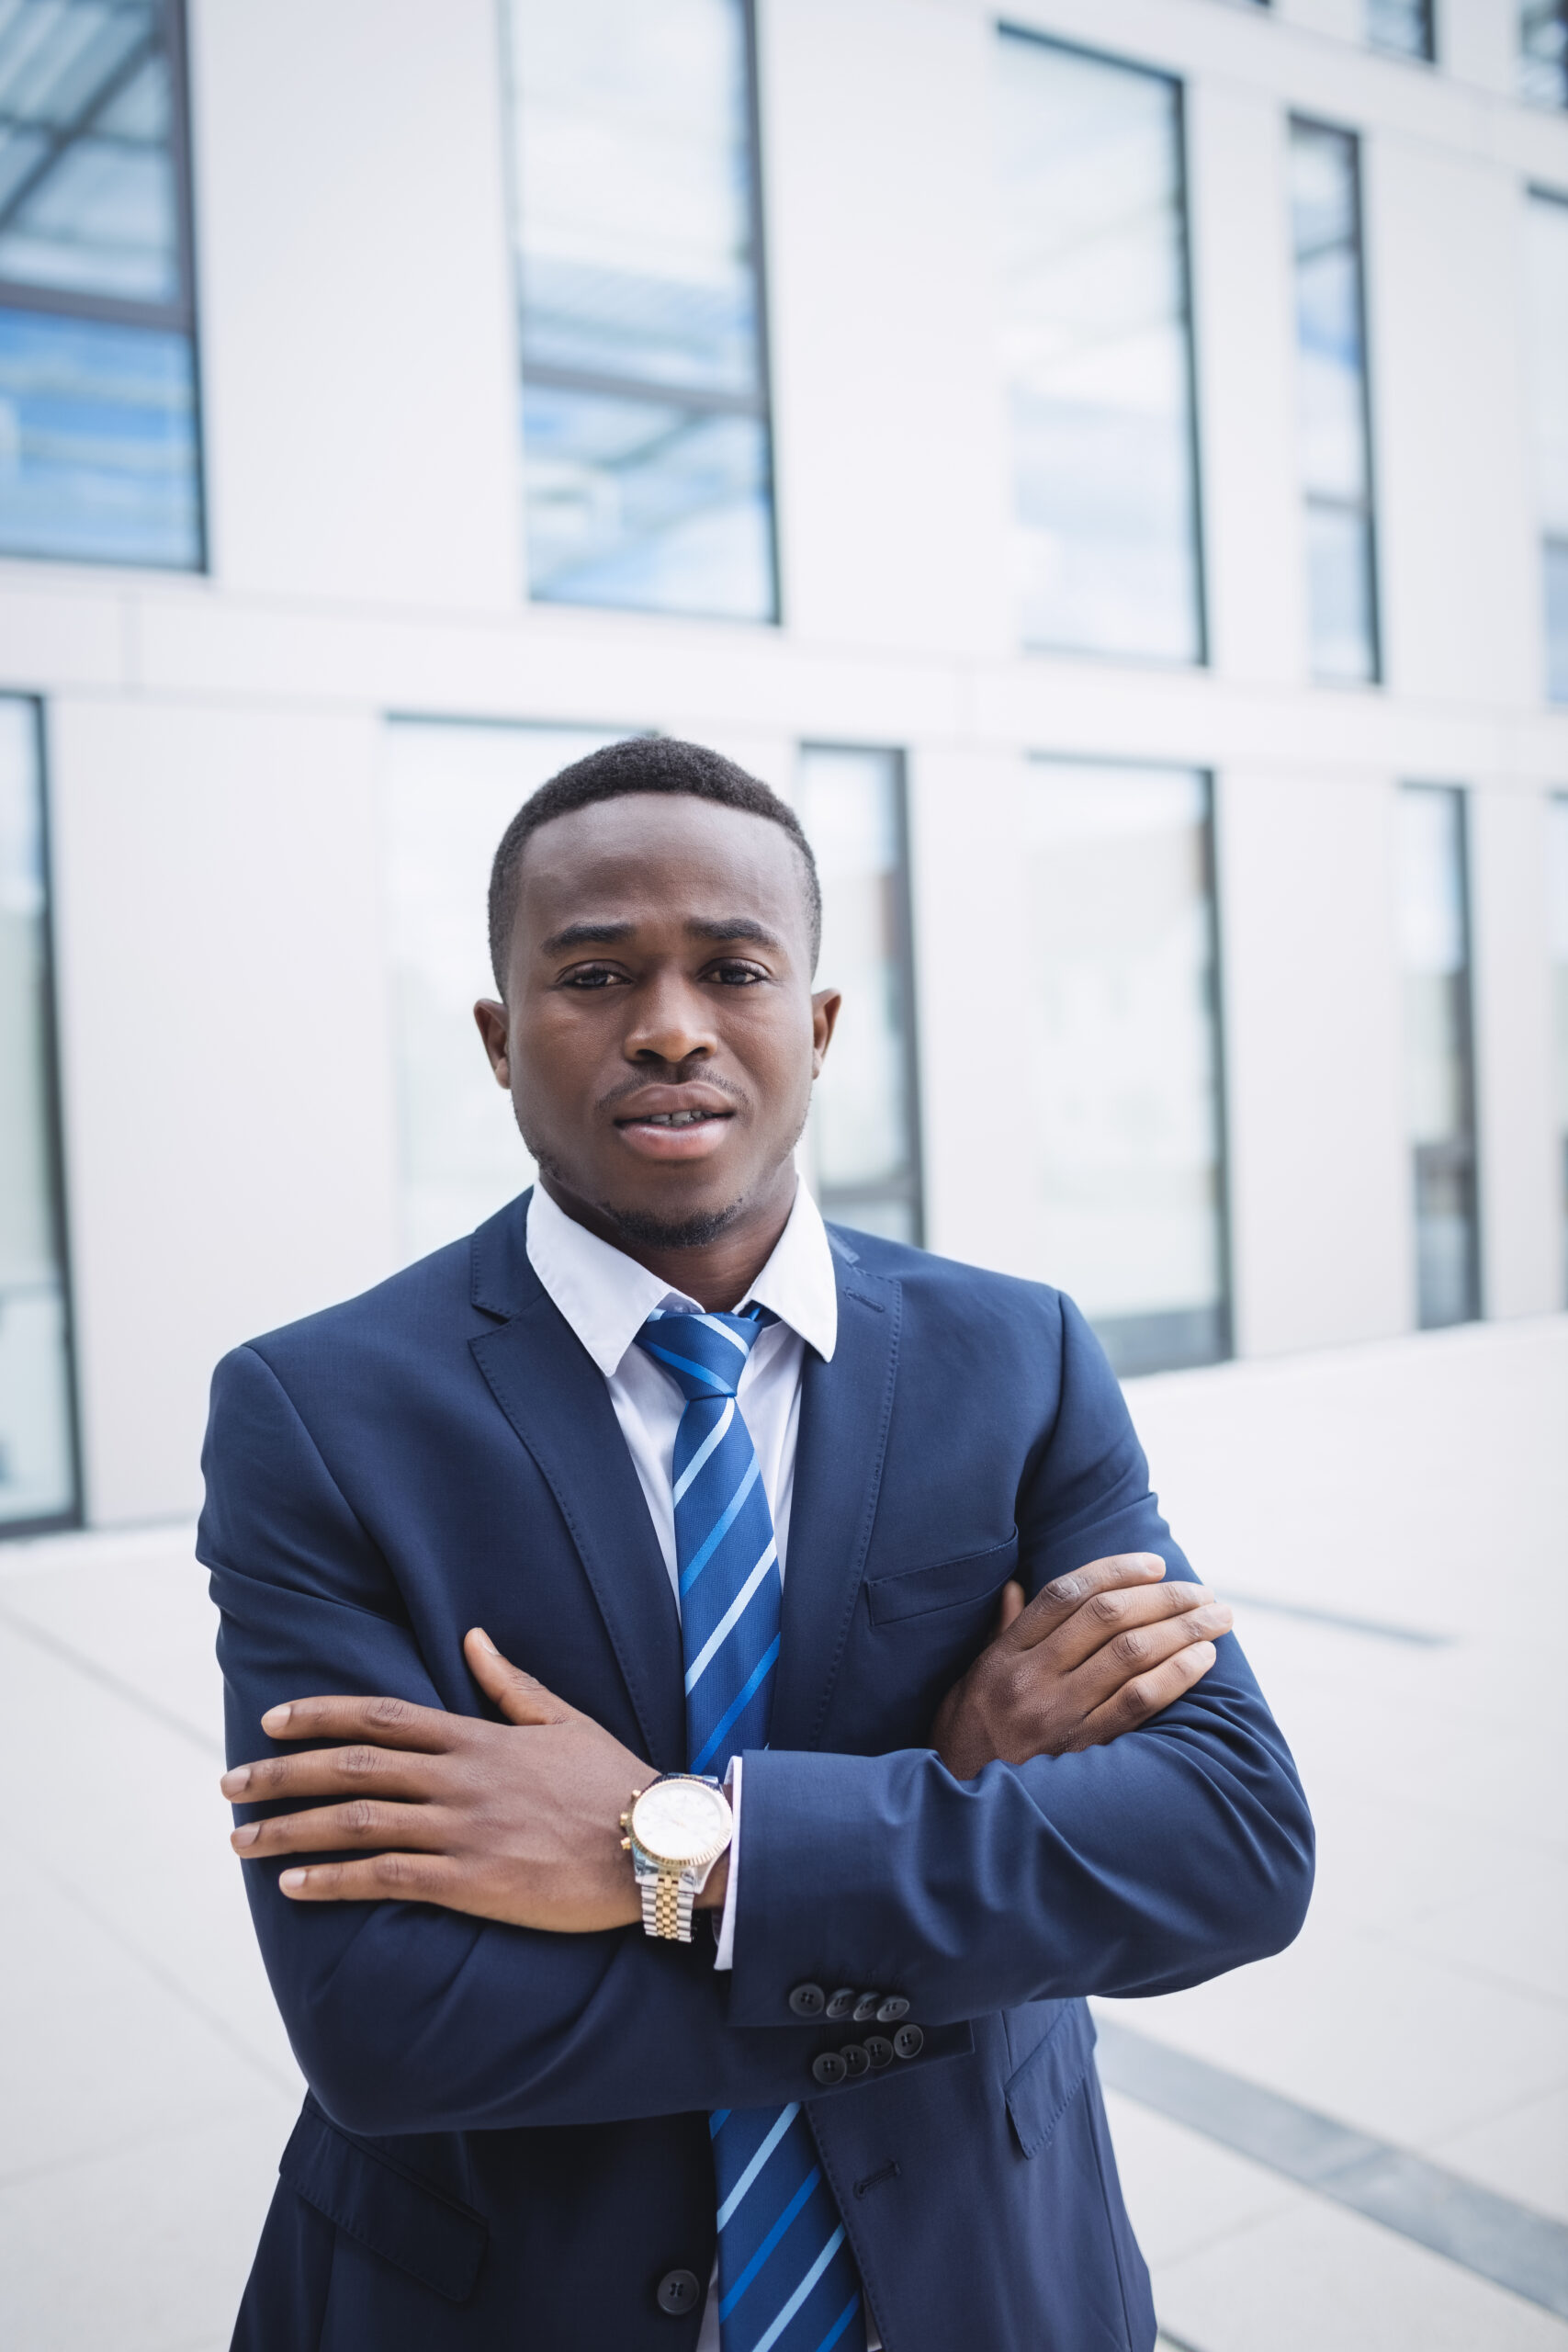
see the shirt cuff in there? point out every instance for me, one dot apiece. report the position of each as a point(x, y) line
point(725, 1956)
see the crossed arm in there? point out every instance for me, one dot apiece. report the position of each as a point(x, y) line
point(518, 1821)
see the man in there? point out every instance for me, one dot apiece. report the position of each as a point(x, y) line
point(856, 1546)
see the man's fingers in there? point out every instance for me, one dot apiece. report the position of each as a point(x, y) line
point(1056, 1601)
point(1009, 1608)
point(1101, 1621)
point(328, 1829)
point(519, 1697)
point(379, 1878)
point(1147, 1695)
point(329, 1772)
point(391, 1722)
point(1133, 1653)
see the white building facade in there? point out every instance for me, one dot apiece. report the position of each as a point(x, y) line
point(1109, 465)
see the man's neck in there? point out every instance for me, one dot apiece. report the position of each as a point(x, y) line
point(717, 1273)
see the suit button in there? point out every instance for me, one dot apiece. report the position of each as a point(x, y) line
point(892, 2009)
point(856, 2058)
point(865, 2009)
point(842, 2003)
point(909, 2042)
point(807, 2000)
point(829, 2069)
point(678, 2292)
point(878, 2049)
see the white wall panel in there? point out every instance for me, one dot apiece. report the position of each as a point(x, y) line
point(892, 462)
point(229, 1136)
point(1321, 1236)
point(360, 401)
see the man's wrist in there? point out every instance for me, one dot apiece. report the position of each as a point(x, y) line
point(717, 1887)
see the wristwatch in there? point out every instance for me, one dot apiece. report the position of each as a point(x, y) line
point(676, 1829)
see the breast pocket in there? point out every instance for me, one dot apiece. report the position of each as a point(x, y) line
point(965, 1582)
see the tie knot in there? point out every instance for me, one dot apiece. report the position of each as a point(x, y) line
point(705, 1353)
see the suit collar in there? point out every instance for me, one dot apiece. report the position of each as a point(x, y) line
point(545, 1384)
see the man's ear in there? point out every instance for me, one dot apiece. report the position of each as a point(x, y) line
point(824, 1020)
point(490, 1018)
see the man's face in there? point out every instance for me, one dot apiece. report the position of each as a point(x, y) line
point(660, 1036)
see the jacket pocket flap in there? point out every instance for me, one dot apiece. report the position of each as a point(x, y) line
point(975, 1576)
point(1039, 2092)
point(407, 2221)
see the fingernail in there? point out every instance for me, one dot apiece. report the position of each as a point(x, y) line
point(485, 1643)
point(239, 1778)
point(292, 1881)
point(274, 1719)
point(247, 1836)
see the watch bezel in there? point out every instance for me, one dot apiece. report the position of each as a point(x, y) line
point(724, 1824)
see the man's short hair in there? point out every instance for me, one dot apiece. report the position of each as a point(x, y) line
point(640, 763)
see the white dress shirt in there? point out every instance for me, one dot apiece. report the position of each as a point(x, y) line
point(606, 1298)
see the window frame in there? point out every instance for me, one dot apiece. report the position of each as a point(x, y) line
point(1225, 1262)
point(1377, 674)
point(1426, 55)
point(73, 1514)
point(698, 400)
point(178, 317)
point(1546, 539)
point(911, 1187)
point(1202, 657)
point(1468, 1134)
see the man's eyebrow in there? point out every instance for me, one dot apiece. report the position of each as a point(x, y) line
point(731, 927)
point(587, 934)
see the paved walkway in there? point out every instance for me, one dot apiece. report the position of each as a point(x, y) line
point(1391, 1522)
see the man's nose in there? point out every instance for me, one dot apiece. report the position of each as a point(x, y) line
point(671, 1024)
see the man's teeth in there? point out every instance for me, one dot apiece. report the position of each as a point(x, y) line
point(674, 1118)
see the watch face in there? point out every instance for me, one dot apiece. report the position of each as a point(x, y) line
point(679, 1821)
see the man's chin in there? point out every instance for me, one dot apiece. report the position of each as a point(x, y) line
point(658, 1230)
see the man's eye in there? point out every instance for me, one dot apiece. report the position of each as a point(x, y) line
point(590, 976)
point(738, 975)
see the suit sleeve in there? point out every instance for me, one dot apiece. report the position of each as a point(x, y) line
point(405, 2018)
point(1179, 1852)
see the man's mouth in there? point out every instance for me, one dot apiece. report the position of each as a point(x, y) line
point(671, 1118)
point(680, 1130)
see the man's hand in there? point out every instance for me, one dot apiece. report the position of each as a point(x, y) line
point(1093, 1655)
point(516, 1821)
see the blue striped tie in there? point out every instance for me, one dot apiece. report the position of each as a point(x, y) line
point(786, 2279)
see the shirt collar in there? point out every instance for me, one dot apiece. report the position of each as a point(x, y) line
point(606, 1296)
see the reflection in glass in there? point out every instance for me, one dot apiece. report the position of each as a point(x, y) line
point(1549, 341)
point(1543, 51)
point(864, 1126)
point(1123, 1039)
point(450, 793)
point(1434, 931)
point(1404, 28)
point(37, 1450)
point(647, 458)
point(1096, 352)
point(98, 441)
point(1332, 403)
point(1557, 872)
point(99, 458)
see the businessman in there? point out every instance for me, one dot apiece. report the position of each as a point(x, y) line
point(708, 1695)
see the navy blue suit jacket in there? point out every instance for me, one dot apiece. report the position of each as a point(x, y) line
point(505, 2142)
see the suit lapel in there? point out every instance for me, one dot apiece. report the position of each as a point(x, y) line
point(550, 1391)
point(845, 1407)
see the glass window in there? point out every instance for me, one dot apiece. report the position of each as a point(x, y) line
point(1335, 435)
point(450, 793)
point(1547, 226)
point(38, 1452)
point(1123, 1040)
point(865, 1125)
point(1404, 28)
point(98, 445)
point(1557, 867)
point(1098, 354)
point(1543, 51)
point(1439, 1090)
point(647, 462)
